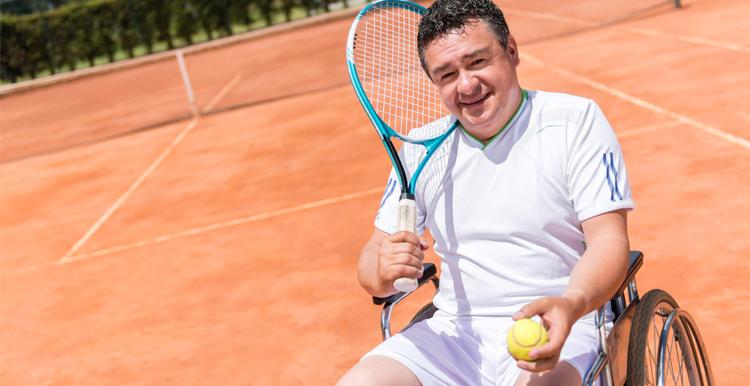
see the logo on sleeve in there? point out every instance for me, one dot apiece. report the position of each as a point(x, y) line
point(389, 188)
point(609, 164)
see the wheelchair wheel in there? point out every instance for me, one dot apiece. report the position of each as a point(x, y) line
point(665, 348)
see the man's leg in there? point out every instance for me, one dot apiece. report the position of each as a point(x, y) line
point(377, 370)
point(564, 374)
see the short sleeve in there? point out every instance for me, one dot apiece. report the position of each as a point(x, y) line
point(386, 219)
point(596, 173)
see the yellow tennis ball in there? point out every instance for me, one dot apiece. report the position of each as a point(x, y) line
point(525, 335)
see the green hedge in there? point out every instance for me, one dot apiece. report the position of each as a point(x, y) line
point(80, 33)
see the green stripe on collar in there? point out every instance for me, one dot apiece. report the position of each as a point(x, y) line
point(524, 98)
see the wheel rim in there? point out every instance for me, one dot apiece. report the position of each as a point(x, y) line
point(679, 363)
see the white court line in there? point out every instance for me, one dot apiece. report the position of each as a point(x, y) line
point(222, 225)
point(135, 185)
point(687, 39)
point(642, 31)
point(646, 129)
point(640, 102)
point(120, 200)
point(224, 90)
point(200, 230)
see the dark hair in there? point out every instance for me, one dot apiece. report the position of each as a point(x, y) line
point(445, 16)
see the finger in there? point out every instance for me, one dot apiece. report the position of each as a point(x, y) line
point(424, 244)
point(403, 270)
point(539, 365)
point(406, 248)
point(536, 307)
point(395, 260)
point(400, 253)
point(397, 263)
point(557, 333)
point(404, 236)
point(548, 350)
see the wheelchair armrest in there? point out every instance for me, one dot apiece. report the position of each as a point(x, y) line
point(617, 301)
point(429, 271)
point(635, 263)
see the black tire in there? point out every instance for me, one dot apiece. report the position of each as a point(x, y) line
point(648, 324)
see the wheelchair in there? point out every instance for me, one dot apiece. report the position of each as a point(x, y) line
point(652, 340)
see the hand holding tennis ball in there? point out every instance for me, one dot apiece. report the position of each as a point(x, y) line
point(524, 336)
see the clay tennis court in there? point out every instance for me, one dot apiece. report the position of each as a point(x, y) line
point(143, 246)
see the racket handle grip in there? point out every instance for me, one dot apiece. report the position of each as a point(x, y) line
point(407, 215)
point(407, 221)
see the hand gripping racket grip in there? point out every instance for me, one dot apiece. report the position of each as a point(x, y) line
point(407, 221)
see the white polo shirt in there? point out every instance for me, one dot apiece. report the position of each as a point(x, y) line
point(506, 217)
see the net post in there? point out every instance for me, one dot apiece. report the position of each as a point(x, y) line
point(186, 82)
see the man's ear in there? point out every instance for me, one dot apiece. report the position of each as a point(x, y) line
point(512, 51)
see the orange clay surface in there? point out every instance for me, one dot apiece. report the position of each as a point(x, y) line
point(222, 250)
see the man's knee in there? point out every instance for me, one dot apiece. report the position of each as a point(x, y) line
point(379, 371)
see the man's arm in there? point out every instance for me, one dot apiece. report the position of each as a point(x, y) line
point(594, 280)
point(386, 258)
point(604, 264)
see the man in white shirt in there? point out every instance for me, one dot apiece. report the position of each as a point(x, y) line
point(528, 212)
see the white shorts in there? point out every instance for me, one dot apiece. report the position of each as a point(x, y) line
point(449, 350)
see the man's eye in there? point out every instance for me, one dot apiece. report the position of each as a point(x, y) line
point(447, 75)
point(476, 62)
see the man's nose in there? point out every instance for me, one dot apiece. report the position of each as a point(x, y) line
point(467, 83)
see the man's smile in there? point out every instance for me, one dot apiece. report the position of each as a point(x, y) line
point(477, 101)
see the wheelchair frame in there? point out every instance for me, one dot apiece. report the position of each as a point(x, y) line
point(618, 361)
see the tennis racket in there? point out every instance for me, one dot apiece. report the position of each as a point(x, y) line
point(398, 97)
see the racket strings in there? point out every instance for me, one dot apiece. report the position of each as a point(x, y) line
point(390, 72)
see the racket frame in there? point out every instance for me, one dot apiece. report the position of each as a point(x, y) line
point(407, 205)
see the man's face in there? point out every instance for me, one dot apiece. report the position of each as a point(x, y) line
point(476, 77)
